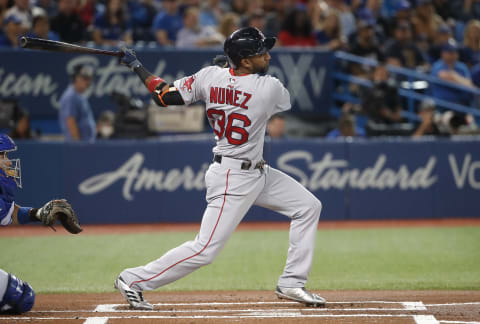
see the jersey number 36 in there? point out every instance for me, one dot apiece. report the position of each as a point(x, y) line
point(217, 118)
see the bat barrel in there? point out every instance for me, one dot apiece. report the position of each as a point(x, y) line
point(55, 46)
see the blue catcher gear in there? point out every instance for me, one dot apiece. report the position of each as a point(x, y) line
point(246, 42)
point(19, 296)
point(11, 167)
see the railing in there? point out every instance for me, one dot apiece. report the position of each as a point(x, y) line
point(407, 88)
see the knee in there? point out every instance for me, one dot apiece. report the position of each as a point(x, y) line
point(19, 296)
point(313, 208)
point(317, 207)
point(209, 255)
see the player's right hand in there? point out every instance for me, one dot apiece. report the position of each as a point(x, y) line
point(129, 58)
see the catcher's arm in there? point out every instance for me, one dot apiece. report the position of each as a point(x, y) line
point(48, 215)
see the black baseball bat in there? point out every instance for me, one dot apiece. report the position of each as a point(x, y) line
point(55, 46)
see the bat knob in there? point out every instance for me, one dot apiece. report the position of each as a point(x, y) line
point(23, 41)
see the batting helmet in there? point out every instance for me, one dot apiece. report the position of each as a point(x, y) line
point(246, 42)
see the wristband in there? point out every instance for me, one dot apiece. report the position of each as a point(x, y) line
point(154, 82)
point(23, 215)
point(134, 64)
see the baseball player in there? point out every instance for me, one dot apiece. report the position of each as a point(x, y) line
point(239, 101)
point(17, 296)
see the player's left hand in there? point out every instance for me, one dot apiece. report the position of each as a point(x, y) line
point(60, 210)
point(129, 58)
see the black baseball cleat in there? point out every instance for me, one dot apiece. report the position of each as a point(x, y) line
point(134, 297)
point(301, 295)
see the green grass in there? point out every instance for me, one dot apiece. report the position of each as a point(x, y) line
point(404, 258)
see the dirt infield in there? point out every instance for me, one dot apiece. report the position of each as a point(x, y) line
point(420, 307)
point(38, 230)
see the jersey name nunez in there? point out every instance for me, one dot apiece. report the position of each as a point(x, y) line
point(229, 96)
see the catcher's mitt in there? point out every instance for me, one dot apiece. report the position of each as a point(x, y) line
point(59, 210)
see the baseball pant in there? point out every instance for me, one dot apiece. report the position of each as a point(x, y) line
point(230, 194)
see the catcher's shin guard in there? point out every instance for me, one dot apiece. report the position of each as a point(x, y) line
point(300, 295)
point(19, 297)
point(134, 298)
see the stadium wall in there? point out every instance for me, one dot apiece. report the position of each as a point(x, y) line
point(37, 79)
point(133, 181)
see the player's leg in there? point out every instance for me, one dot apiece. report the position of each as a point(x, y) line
point(285, 195)
point(230, 193)
point(16, 296)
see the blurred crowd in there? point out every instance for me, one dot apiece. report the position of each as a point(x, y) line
point(440, 37)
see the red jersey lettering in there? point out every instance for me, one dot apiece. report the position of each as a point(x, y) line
point(229, 97)
point(245, 100)
point(213, 94)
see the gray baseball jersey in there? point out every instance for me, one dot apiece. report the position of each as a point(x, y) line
point(238, 108)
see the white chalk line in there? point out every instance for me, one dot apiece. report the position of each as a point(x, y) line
point(452, 304)
point(208, 316)
point(414, 306)
point(305, 309)
point(112, 307)
point(96, 320)
point(255, 313)
point(458, 322)
point(425, 319)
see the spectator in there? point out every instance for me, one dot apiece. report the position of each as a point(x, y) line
point(276, 126)
point(346, 128)
point(105, 124)
point(476, 75)
point(427, 125)
point(275, 16)
point(12, 30)
point(470, 52)
point(253, 7)
point(426, 21)
point(211, 13)
point(239, 7)
point(23, 12)
point(402, 13)
point(67, 23)
point(382, 102)
point(449, 69)
point(443, 9)
point(112, 27)
point(87, 9)
point(401, 51)
point(167, 23)
point(4, 6)
point(371, 14)
point(328, 33)
point(465, 10)
point(41, 28)
point(444, 35)
point(21, 128)
point(229, 23)
point(297, 30)
point(49, 6)
point(142, 14)
point(75, 114)
point(456, 123)
point(193, 34)
point(365, 44)
point(257, 19)
point(347, 18)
